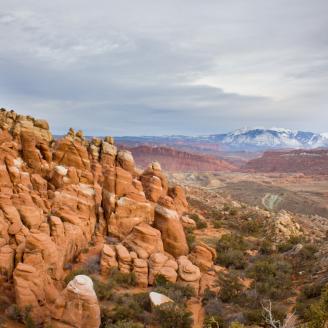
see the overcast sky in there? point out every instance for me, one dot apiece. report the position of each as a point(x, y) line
point(137, 67)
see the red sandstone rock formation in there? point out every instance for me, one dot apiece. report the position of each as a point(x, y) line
point(310, 162)
point(57, 196)
point(179, 161)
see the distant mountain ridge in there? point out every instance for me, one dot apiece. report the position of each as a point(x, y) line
point(249, 139)
point(273, 138)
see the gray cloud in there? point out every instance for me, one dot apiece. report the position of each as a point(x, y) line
point(162, 67)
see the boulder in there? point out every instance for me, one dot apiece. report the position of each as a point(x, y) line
point(108, 260)
point(145, 237)
point(125, 161)
point(173, 235)
point(157, 299)
point(124, 259)
point(188, 273)
point(202, 256)
point(140, 269)
point(7, 260)
point(129, 213)
point(77, 305)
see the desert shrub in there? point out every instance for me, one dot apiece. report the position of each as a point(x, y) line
point(177, 292)
point(307, 252)
point(231, 288)
point(24, 316)
point(191, 238)
point(226, 207)
point(232, 258)
point(231, 241)
point(312, 290)
point(208, 295)
point(129, 311)
point(233, 212)
point(217, 224)
point(230, 250)
point(104, 291)
point(308, 295)
point(317, 314)
point(85, 250)
point(256, 316)
point(252, 226)
point(171, 315)
point(289, 244)
point(214, 321)
point(253, 316)
point(272, 277)
point(266, 247)
point(126, 324)
point(215, 215)
point(200, 224)
point(122, 279)
point(92, 264)
point(236, 325)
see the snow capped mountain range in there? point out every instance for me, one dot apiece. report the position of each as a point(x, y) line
point(273, 138)
point(245, 139)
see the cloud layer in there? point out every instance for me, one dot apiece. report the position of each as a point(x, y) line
point(166, 67)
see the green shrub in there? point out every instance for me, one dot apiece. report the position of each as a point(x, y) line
point(177, 292)
point(254, 316)
point(252, 227)
point(171, 315)
point(128, 311)
point(231, 288)
point(289, 244)
point(236, 325)
point(232, 258)
point(24, 316)
point(317, 314)
point(104, 291)
point(217, 224)
point(126, 324)
point(214, 321)
point(307, 252)
point(230, 251)
point(226, 207)
point(266, 247)
point(231, 241)
point(191, 238)
point(233, 212)
point(312, 290)
point(215, 215)
point(200, 224)
point(122, 279)
point(272, 277)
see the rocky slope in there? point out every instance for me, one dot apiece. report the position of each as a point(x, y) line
point(310, 162)
point(58, 196)
point(178, 161)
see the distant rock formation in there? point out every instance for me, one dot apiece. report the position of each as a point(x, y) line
point(310, 162)
point(174, 160)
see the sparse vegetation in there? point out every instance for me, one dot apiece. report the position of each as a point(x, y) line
point(171, 315)
point(317, 314)
point(231, 286)
point(272, 277)
point(177, 292)
point(230, 250)
point(191, 238)
point(200, 224)
point(23, 316)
